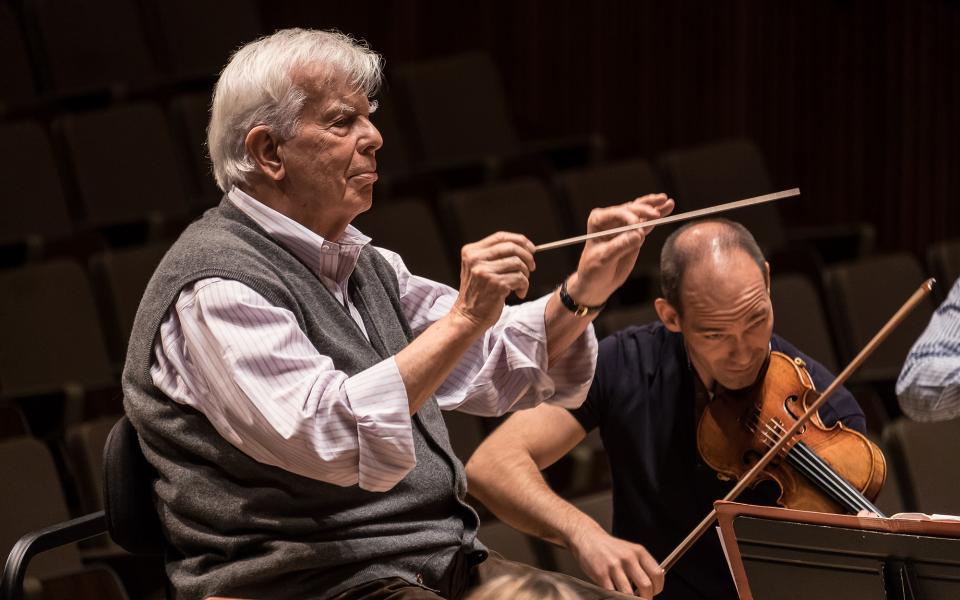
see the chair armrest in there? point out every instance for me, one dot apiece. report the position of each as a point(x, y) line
point(33, 543)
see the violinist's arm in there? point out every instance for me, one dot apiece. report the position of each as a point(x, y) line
point(504, 473)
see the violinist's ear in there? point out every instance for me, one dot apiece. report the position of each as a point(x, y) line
point(668, 314)
point(766, 275)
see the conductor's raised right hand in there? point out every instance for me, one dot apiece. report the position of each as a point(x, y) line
point(489, 270)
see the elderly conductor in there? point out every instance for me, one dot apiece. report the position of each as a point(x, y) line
point(286, 377)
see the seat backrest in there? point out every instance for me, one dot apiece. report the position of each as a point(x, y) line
point(725, 171)
point(51, 331)
point(923, 454)
point(457, 107)
point(18, 84)
point(610, 184)
point(613, 320)
point(943, 259)
point(91, 46)
point(190, 114)
point(512, 544)
point(521, 206)
point(393, 158)
point(145, 177)
point(800, 319)
point(408, 227)
point(187, 44)
point(466, 432)
point(122, 276)
point(33, 499)
point(85, 443)
point(128, 493)
point(864, 295)
point(34, 203)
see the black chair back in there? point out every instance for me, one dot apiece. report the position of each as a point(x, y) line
point(128, 493)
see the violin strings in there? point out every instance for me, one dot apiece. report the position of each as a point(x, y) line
point(823, 480)
point(862, 501)
point(820, 473)
point(815, 468)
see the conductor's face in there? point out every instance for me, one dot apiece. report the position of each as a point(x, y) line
point(330, 163)
point(727, 319)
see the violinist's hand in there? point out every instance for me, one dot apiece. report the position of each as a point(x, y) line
point(616, 564)
point(606, 262)
point(489, 270)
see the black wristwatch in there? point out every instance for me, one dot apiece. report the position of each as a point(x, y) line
point(570, 304)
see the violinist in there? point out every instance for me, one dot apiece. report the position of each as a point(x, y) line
point(650, 388)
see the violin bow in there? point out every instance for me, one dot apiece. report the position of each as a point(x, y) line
point(748, 478)
point(693, 214)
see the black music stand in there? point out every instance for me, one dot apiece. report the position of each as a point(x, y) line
point(780, 554)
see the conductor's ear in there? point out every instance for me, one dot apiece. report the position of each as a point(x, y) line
point(263, 146)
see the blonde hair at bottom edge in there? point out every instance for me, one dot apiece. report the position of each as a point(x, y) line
point(526, 587)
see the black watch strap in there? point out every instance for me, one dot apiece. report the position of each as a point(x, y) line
point(570, 304)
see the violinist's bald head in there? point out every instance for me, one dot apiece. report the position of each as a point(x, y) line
point(706, 257)
point(716, 291)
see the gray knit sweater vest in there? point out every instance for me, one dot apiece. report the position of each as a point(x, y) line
point(237, 527)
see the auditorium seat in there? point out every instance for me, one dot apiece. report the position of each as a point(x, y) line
point(612, 320)
point(19, 88)
point(890, 499)
point(125, 165)
point(458, 112)
point(721, 172)
point(943, 260)
point(188, 43)
point(394, 162)
point(923, 456)
point(52, 343)
point(465, 431)
point(33, 500)
point(84, 443)
point(599, 507)
point(122, 276)
point(521, 206)
point(864, 295)
point(34, 209)
point(458, 109)
point(800, 318)
point(508, 542)
point(190, 115)
point(408, 227)
point(615, 183)
point(734, 169)
point(91, 46)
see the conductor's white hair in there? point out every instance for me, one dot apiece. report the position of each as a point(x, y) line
point(257, 88)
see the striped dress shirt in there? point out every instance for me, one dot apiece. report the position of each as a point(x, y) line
point(929, 384)
point(248, 367)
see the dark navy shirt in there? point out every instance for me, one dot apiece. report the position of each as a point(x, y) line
point(642, 399)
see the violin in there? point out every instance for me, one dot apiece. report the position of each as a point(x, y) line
point(823, 469)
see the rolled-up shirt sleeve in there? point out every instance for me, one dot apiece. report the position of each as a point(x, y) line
point(227, 352)
point(929, 384)
point(508, 368)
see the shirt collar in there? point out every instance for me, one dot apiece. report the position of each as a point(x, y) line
point(333, 260)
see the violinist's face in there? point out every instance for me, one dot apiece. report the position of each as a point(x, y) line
point(727, 319)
